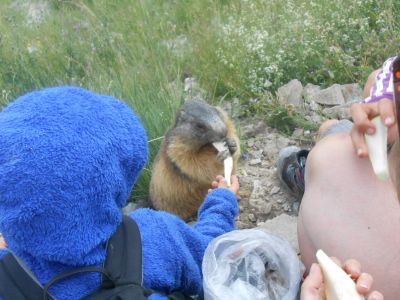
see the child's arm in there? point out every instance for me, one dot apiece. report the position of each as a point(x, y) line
point(212, 211)
point(173, 250)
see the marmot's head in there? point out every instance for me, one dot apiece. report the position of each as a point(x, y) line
point(199, 123)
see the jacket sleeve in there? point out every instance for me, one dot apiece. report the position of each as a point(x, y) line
point(383, 86)
point(173, 250)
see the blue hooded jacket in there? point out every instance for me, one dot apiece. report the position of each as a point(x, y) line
point(68, 161)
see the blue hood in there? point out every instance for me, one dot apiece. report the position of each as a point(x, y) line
point(68, 161)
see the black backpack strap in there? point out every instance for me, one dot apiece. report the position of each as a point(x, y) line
point(17, 282)
point(123, 264)
point(122, 268)
point(124, 254)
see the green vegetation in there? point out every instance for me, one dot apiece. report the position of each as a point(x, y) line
point(139, 51)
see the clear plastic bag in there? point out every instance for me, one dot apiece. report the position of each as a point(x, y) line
point(251, 264)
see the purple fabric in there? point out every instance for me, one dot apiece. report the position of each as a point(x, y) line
point(383, 86)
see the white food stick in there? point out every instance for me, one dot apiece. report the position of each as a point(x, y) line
point(377, 149)
point(228, 166)
point(338, 284)
point(228, 162)
point(220, 146)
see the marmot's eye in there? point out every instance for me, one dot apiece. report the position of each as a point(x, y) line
point(201, 127)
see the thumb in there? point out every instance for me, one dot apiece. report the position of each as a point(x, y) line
point(311, 288)
point(223, 183)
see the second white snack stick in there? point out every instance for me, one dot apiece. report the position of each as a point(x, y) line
point(377, 149)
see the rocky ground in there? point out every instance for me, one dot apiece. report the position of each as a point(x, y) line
point(263, 200)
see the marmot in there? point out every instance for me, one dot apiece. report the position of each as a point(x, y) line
point(187, 162)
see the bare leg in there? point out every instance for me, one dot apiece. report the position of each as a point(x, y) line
point(348, 213)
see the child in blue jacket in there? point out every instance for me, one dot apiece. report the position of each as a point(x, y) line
point(68, 161)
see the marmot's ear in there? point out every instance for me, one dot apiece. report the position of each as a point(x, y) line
point(182, 116)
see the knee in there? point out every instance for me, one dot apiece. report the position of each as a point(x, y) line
point(325, 125)
point(328, 153)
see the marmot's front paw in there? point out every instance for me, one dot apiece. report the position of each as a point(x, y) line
point(232, 145)
point(222, 155)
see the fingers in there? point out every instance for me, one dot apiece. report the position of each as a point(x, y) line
point(311, 289)
point(220, 182)
point(234, 184)
point(364, 283)
point(375, 296)
point(386, 111)
point(362, 114)
point(314, 278)
point(214, 184)
point(353, 268)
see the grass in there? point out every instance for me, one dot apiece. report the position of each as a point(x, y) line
point(139, 50)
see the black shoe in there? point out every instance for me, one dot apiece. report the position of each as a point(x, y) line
point(290, 168)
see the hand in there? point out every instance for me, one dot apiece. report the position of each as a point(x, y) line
point(3, 243)
point(313, 286)
point(362, 113)
point(220, 182)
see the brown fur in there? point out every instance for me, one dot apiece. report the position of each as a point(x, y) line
point(185, 166)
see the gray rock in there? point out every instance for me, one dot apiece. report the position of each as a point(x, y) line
point(275, 190)
point(272, 146)
point(286, 207)
point(266, 208)
point(314, 118)
point(250, 143)
point(314, 106)
point(252, 217)
point(352, 92)
point(252, 130)
point(260, 206)
point(339, 111)
point(255, 162)
point(291, 93)
point(257, 192)
point(309, 91)
point(284, 226)
point(329, 96)
point(257, 154)
point(297, 133)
